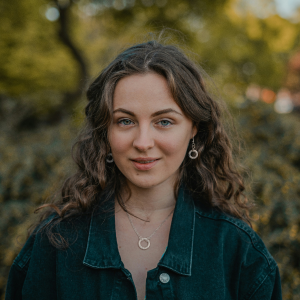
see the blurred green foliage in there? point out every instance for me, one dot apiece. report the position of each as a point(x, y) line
point(40, 72)
point(273, 148)
point(31, 58)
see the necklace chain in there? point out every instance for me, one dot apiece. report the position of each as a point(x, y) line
point(150, 236)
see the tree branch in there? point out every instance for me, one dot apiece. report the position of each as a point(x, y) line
point(64, 36)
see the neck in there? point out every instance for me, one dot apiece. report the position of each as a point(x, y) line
point(148, 201)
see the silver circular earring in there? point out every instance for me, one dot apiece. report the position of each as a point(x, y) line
point(193, 154)
point(109, 158)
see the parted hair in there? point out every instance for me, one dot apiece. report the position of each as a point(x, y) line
point(214, 177)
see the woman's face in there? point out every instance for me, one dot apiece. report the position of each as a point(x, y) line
point(149, 135)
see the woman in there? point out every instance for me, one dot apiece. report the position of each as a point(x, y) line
point(156, 207)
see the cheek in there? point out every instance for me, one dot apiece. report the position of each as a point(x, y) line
point(119, 142)
point(174, 146)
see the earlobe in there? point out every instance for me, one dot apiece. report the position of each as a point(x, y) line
point(194, 131)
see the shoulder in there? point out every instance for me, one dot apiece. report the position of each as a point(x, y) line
point(238, 249)
point(23, 258)
point(39, 245)
point(229, 228)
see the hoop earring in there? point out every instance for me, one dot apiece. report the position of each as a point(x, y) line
point(109, 158)
point(193, 154)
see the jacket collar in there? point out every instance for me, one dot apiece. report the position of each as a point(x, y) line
point(102, 249)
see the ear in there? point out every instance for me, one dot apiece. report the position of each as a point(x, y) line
point(194, 131)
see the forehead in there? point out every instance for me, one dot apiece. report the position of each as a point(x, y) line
point(146, 92)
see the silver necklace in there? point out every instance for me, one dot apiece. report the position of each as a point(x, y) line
point(147, 239)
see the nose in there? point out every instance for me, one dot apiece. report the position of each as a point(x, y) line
point(143, 140)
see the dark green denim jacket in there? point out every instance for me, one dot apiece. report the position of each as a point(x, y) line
point(210, 255)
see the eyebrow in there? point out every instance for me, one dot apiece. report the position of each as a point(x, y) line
point(157, 113)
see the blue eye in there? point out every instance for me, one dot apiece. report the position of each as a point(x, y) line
point(165, 123)
point(125, 122)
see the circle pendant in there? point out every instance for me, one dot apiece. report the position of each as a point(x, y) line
point(193, 154)
point(146, 240)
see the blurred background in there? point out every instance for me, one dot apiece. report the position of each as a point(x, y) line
point(51, 50)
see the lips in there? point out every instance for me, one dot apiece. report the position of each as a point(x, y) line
point(144, 159)
point(144, 163)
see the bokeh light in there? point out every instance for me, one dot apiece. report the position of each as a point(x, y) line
point(52, 14)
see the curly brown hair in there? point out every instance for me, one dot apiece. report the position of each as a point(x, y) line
point(213, 177)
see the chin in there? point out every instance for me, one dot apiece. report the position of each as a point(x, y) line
point(145, 183)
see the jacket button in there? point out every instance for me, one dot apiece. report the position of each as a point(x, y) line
point(164, 277)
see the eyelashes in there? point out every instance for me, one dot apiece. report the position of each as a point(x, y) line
point(163, 123)
point(125, 122)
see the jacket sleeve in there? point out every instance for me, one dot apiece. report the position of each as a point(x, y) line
point(270, 288)
point(259, 277)
point(28, 268)
point(15, 283)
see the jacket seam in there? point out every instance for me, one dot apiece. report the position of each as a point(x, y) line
point(176, 271)
point(250, 294)
point(193, 235)
point(22, 259)
point(226, 219)
point(85, 259)
point(20, 269)
point(98, 267)
point(21, 262)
